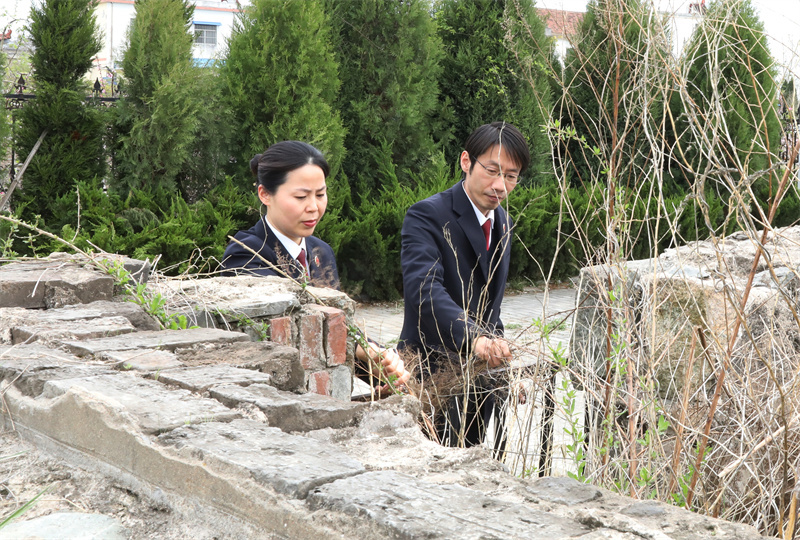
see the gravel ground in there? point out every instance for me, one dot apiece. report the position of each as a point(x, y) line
point(25, 472)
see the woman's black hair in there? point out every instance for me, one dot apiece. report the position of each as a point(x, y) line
point(499, 133)
point(277, 161)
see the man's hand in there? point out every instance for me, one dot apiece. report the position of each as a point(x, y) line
point(393, 365)
point(389, 359)
point(495, 351)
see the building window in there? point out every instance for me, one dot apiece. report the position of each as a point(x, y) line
point(205, 34)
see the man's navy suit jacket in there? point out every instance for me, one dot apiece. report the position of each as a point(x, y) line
point(260, 238)
point(452, 286)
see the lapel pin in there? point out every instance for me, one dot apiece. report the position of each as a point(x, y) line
point(316, 260)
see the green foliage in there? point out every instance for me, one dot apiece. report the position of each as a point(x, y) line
point(160, 119)
point(5, 119)
point(24, 508)
point(65, 39)
point(186, 237)
point(158, 41)
point(613, 96)
point(280, 79)
point(482, 78)
point(729, 108)
point(367, 245)
point(389, 56)
point(789, 98)
point(205, 165)
point(152, 303)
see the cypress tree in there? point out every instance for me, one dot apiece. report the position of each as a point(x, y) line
point(5, 126)
point(789, 99)
point(281, 79)
point(614, 91)
point(729, 125)
point(482, 78)
point(158, 121)
point(389, 56)
point(65, 40)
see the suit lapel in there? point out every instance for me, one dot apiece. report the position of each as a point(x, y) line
point(283, 260)
point(468, 222)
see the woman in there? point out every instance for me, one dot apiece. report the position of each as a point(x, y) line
point(290, 179)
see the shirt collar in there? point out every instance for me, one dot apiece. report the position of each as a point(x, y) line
point(481, 218)
point(289, 245)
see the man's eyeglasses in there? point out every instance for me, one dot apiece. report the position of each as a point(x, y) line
point(510, 178)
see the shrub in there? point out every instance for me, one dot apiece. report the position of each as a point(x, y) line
point(65, 40)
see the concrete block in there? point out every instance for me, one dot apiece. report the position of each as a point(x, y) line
point(155, 407)
point(60, 525)
point(143, 360)
point(291, 412)
point(334, 334)
point(405, 507)
point(281, 363)
point(341, 380)
point(562, 490)
point(200, 379)
point(228, 298)
point(52, 283)
point(289, 464)
point(334, 298)
point(138, 270)
point(165, 339)
point(80, 329)
point(310, 344)
point(29, 367)
point(108, 440)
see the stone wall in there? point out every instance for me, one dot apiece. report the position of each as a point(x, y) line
point(703, 341)
point(78, 298)
point(217, 436)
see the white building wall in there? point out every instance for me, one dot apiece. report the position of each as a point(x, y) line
point(114, 18)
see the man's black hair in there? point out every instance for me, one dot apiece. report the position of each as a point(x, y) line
point(500, 134)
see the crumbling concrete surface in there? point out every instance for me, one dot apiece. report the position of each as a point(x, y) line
point(204, 434)
point(689, 299)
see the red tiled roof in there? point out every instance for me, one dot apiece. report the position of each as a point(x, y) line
point(561, 23)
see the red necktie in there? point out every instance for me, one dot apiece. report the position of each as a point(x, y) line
point(487, 232)
point(302, 259)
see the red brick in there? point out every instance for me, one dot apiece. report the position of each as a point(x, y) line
point(312, 352)
point(280, 330)
point(320, 383)
point(334, 334)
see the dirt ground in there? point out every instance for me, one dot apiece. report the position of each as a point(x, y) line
point(25, 472)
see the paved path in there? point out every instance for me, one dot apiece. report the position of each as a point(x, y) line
point(383, 322)
point(523, 422)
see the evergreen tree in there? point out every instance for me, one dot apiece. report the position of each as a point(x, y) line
point(491, 47)
point(388, 56)
point(159, 120)
point(614, 90)
point(5, 126)
point(65, 40)
point(729, 119)
point(281, 80)
point(789, 98)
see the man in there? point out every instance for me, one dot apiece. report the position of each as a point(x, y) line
point(455, 258)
